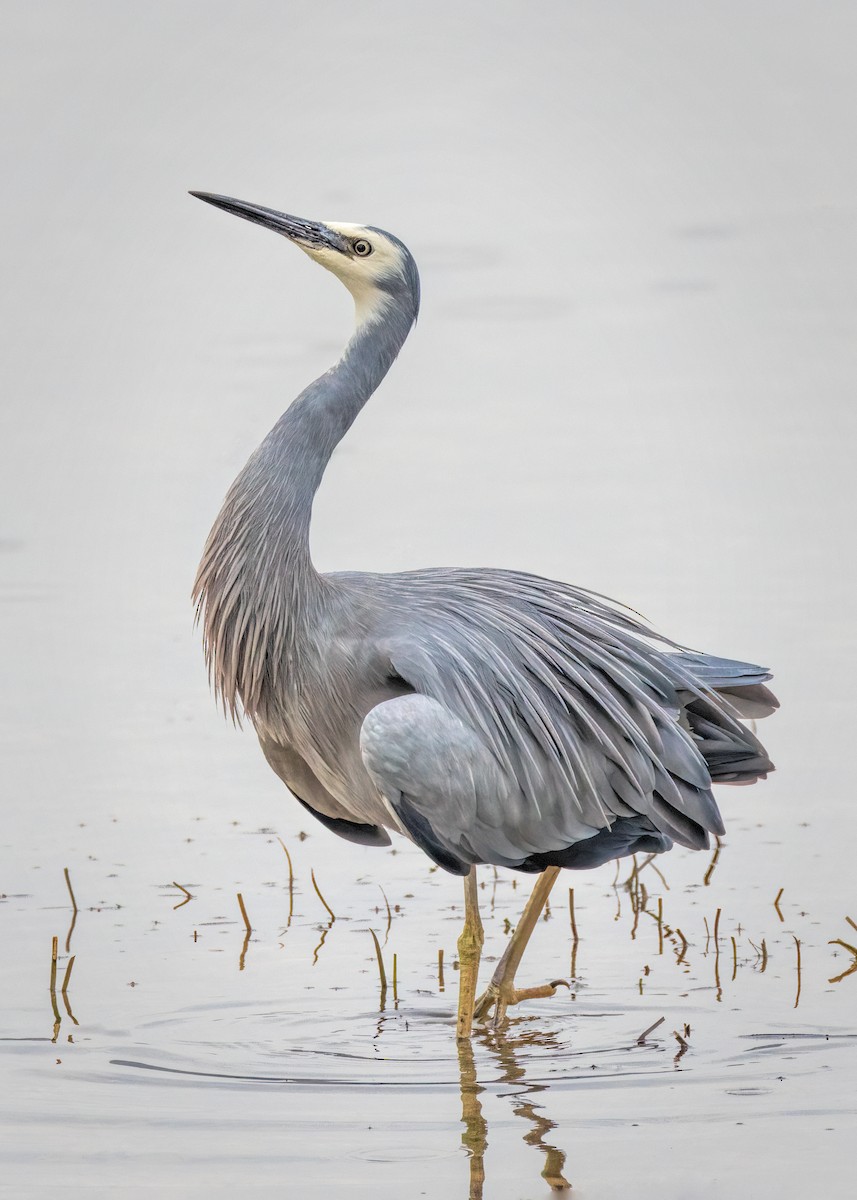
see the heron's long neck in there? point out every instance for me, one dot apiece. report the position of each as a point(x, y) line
point(256, 586)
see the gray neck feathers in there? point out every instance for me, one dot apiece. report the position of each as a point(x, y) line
point(257, 592)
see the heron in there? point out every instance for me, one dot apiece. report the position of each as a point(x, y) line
point(491, 716)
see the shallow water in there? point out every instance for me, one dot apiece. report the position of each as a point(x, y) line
point(634, 371)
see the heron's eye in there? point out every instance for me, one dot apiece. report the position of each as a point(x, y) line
point(361, 247)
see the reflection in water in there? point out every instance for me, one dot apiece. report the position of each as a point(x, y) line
point(325, 930)
point(851, 950)
point(683, 1045)
point(187, 896)
point(248, 929)
point(53, 991)
point(503, 1046)
point(282, 1046)
point(57, 1018)
point(242, 956)
point(475, 1135)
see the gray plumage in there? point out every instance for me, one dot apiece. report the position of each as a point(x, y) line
point(492, 716)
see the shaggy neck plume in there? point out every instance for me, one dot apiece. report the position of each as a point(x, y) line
point(256, 589)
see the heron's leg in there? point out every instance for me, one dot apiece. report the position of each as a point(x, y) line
point(501, 991)
point(469, 954)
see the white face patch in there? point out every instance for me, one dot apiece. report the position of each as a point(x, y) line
point(360, 274)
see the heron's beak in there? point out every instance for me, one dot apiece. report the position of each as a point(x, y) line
point(306, 233)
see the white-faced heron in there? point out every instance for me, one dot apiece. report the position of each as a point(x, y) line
point(490, 716)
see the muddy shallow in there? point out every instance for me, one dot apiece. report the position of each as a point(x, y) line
point(634, 370)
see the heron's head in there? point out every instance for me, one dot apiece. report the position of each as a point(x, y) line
point(375, 266)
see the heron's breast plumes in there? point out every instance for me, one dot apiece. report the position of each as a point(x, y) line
point(243, 600)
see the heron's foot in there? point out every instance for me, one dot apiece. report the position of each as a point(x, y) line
point(501, 996)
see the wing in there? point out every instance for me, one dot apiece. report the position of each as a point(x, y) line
point(449, 794)
point(315, 798)
point(557, 716)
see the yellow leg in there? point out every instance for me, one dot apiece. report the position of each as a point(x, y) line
point(501, 991)
point(469, 954)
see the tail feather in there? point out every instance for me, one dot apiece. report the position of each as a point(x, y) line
point(751, 702)
point(732, 753)
point(740, 683)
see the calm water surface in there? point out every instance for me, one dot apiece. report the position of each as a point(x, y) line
point(634, 371)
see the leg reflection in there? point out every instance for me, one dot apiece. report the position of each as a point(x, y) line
point(506, 1047)
point(475, 1135)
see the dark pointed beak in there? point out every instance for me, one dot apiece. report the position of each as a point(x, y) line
point(307, 233)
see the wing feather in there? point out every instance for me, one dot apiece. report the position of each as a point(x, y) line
point(585, 712)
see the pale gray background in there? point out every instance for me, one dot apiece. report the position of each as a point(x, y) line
point(635, 370)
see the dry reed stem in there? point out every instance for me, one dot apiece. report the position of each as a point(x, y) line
point(440, 980)
point(683, 945)
point(846, 945)
point(321, 898)
point(380, 958)
point(650, 862)
point(797, 948)
point(574, 932)
point(389, 915)
point(853, 924)
point(395, 979)
point(851, 950)
point(70, 891)
point(635, 908)
point(53, 990)
point(660, 920)
point(777, 904)
point(734, 959)
point(247, 924)
point(632, 876)
point(706, 879)
point(291, 881)
point(54, 951)
point(74, 910)
point(641, 1039)
point(187, 896)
